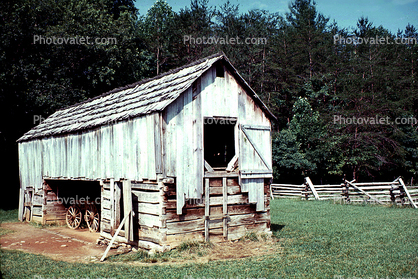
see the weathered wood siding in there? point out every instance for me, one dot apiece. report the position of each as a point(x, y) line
point(119, 150)
point(183, 145)
point(226, 97)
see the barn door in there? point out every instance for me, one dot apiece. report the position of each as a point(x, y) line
point(255, 161)
point(28, 199)
point(121, 205)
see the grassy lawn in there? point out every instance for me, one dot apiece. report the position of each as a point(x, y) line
point(318, 239)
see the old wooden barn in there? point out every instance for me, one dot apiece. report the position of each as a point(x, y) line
point(185, 155)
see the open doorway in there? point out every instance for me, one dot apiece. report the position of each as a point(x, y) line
point(219, 141)
point(73, 202)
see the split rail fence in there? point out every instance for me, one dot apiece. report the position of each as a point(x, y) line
point(351, 192)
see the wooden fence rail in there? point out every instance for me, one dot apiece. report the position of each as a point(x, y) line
point(350, 191)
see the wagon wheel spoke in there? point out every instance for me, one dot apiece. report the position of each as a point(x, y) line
point(94, 224)
point(73, 217)
point(92, 218)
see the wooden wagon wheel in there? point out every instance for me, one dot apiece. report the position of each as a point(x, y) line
point(73, 217)
point(92, 218)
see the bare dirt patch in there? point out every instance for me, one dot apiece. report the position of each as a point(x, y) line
point(64, 244)
point(58, 243)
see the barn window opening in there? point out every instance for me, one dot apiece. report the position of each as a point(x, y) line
point(220, 70)
point(219, 141)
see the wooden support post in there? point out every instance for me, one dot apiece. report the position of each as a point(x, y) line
point(112, 205)
point(207, 205)
point(114, 236)
point(225, 208)
point(127, 207)
point(407, 193)
point(308, 180)
point(357, 188)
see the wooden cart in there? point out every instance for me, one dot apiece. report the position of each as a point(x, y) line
point(74, 215)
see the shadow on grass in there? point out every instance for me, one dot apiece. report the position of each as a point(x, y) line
point(276, 227)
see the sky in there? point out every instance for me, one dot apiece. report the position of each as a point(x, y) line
point(391, 14)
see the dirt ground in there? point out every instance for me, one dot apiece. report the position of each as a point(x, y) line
point(64, 244)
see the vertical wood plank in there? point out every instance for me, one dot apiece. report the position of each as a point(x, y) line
point(225, 208)
point(118, 194)
point(158, 144)
point(21, 203)
point(112, 205)
point(207, 209)
point(198, 158)
point(127, 207)
point(179, 160)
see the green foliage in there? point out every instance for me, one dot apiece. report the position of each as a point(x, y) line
point(8, 216)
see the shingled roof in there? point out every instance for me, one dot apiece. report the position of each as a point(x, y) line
point(143, 97)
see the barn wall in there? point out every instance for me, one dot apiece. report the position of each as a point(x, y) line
point(226, 97)
point(183, 145)
point(183, 121)
point(123, 150)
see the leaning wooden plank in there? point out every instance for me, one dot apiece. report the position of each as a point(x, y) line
point(354, 186)
point(208, 167)
point(233, 163)
point(407, 193)
point(113, 238)
point(308, 180)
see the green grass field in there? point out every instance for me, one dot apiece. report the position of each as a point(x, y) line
point(318, 239)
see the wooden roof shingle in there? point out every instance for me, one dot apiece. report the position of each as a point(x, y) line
point(143, 97)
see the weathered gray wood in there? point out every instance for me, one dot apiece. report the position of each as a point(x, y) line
point(21, 204)
point(115, 235)
point(407, 193)
point(225, 208)
point(220, 174)
point(354, 186)
point(255, 145)
point(147, 197)
point(145, 186)
point(149, 220)
point(208, 167)
point(150, 208)
point(312, 187)
point(207, 208)
point(233, 163)
point(127, 207)
point(112, 204)
point(231, 190)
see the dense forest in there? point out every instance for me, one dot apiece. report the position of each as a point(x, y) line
point(301, 71)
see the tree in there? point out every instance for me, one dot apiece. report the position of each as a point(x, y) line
point(191, 23)
point(157, 27)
